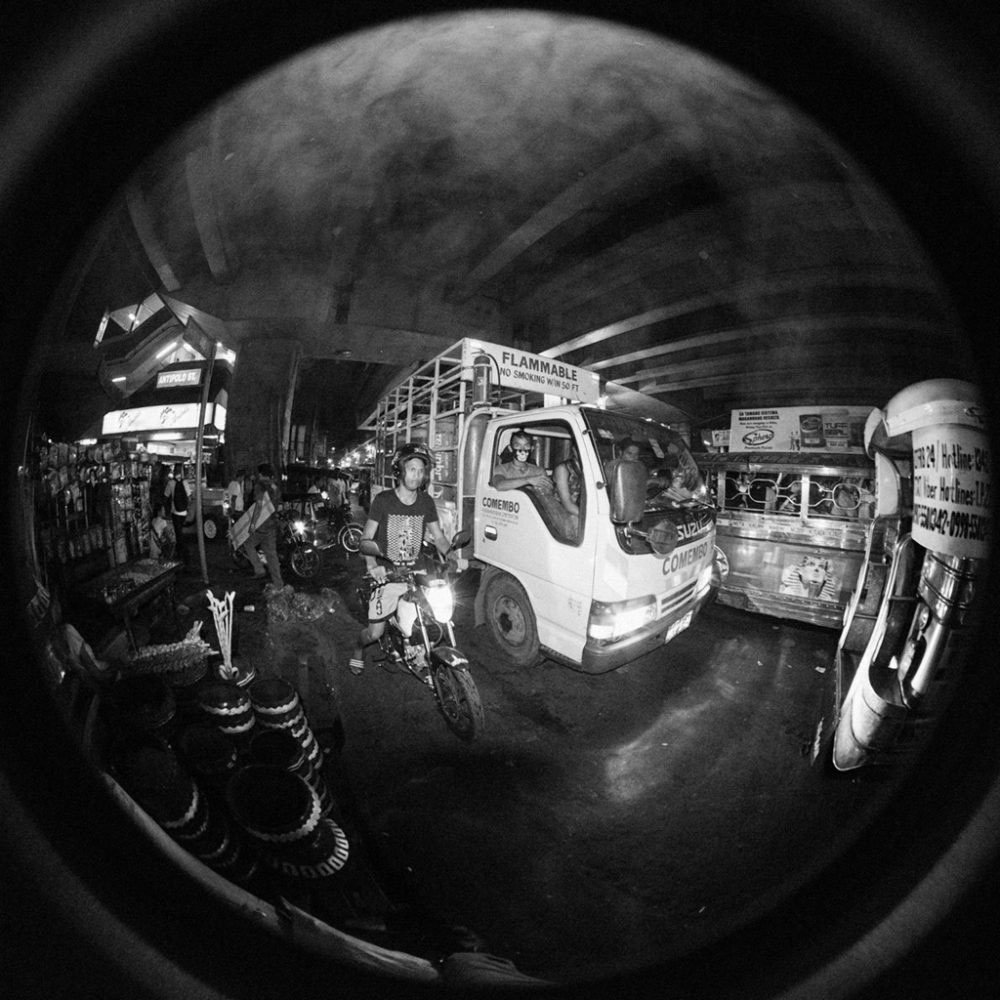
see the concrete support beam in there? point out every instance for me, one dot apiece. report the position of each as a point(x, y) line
point(145, 229)
point(260, 402)
point(200, 178)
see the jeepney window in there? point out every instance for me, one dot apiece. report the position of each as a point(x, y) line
point(796, 494)
point(840, 497)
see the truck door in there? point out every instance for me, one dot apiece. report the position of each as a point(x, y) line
point(527, 533)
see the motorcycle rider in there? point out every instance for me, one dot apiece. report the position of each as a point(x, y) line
point(397, 521)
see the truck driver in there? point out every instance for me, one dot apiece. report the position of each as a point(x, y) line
point(519, 472)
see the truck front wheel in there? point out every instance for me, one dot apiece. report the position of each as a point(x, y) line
point(511, 620)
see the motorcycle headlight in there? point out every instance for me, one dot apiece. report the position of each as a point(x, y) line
point(299, 526)
point(440, 600)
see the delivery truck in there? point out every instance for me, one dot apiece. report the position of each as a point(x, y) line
point(627, 574)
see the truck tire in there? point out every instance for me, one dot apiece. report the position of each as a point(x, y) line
point(511, 620)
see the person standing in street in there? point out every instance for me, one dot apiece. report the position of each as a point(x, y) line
point(264, 526)
point(178, 499)
point(234, 495)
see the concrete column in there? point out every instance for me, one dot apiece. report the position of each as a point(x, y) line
point(260, 403)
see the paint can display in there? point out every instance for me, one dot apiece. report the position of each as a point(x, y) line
point(322, 854)
point(144, 703)
point(228, 708)
point(148, 769)
point(276, 703)
point(272, 804)
point(208, 753)
point(279, 748)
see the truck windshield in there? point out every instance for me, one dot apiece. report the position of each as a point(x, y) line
point(673, 479)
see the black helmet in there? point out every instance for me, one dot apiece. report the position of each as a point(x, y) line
point(412, 449)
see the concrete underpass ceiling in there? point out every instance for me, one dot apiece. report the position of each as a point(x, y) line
point(579, 189)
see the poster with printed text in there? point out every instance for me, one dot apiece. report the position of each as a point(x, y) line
point(951, 490)
point(799, 428)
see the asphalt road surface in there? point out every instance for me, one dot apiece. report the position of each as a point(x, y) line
point(600, 823)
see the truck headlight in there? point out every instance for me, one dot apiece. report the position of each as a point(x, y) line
point(615, 620)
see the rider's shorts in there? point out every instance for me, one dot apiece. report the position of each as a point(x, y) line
point(384, 600)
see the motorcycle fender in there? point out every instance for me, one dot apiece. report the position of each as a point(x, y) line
point(449, 656)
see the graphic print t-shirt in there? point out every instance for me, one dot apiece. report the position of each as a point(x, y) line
point(401, 527)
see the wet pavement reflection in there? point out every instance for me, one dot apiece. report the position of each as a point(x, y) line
point(600, 823)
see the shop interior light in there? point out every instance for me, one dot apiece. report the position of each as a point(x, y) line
point(166, 350)
point(120, 378)
point(102, 328)
point(166, 436)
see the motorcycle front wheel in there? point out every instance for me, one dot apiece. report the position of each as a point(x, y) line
point(305, 563)
point(459, 701)
point(350, 537)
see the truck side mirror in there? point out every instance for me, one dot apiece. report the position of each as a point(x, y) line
point(628, 492)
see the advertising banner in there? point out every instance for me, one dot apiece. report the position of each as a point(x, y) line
point(515, 369)
point(169, 417)
point(951, 490)
point(799, 428)
point(792, 570)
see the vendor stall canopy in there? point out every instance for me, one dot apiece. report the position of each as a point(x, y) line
point(579, 188)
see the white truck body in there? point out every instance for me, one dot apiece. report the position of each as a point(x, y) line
point(596, 598)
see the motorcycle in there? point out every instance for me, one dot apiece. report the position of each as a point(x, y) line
point(294, 547)
point(420, 637)
point(339, 529)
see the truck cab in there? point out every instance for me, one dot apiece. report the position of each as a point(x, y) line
point(624, 577)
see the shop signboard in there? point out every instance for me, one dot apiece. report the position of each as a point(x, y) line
point(164, 417)
point(179, 378)
point(799, 428)
point(524, 372)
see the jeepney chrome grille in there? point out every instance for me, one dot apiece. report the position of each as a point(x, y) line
point(668, 603)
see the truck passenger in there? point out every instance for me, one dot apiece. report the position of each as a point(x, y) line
point(521, 473)
point(628, 451)
point(397, 522)
point(568, 478)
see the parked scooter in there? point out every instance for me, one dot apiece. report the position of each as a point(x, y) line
point(420, 637)
point(295, 548)
point(338, 529)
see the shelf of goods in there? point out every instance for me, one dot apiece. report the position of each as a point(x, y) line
point(91, 507)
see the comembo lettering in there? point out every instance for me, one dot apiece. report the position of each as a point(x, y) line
point(501, 503)
point(684, 558)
